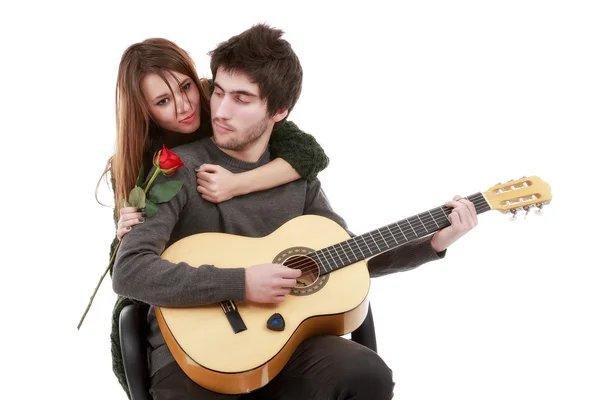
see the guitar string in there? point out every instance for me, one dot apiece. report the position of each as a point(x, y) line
point(385, 238)
point(308, 266)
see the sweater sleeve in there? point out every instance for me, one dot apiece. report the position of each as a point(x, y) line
point(402, 258)
point(298, 148)
point(141, 274)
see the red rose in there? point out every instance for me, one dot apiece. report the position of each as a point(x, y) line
point(167, 161)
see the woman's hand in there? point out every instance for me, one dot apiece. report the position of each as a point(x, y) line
point(216, 184)
point(130, 216)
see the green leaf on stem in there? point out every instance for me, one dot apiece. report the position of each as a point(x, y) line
point(165, 191)
point(137, 197)
point(151, 208)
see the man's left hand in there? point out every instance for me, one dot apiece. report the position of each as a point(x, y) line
point(462, 219)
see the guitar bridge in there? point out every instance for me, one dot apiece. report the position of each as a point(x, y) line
point(233, 316)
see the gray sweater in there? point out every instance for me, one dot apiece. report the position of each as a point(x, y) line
point(139, 273)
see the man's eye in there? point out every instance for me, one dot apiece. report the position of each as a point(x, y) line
point(239, 100)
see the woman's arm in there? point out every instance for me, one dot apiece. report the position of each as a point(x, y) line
point(299, 149)
point(297, 155)
point(217, 184)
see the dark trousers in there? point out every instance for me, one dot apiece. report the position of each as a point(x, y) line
point(321, 368)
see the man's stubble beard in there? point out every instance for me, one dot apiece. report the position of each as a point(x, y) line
point(254, 133)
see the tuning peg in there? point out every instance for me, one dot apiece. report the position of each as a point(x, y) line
point(526, 208)
point(514, 215)
point(539, 209)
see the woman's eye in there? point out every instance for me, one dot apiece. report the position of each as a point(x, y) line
point(187, 86)
point(163, 101)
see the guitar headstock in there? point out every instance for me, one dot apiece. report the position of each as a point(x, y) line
point(518, 194)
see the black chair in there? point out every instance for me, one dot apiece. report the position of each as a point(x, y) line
point(132, 332)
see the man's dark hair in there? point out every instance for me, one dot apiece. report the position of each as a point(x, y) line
point(267, 59)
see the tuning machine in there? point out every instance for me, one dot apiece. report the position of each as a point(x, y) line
point(539, 209)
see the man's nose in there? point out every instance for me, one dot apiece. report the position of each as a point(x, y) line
point(223, 109)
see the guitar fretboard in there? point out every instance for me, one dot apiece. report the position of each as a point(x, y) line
point(388, 237)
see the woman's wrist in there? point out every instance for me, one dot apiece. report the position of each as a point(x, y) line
point(243, 183)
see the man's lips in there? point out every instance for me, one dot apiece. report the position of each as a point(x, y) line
point(223, 127)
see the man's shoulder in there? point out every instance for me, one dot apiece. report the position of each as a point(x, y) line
point(193, 153)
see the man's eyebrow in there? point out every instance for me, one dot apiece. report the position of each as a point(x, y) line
point(241, 92)
point(183, 83)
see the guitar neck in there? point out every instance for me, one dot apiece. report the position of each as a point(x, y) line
point(388, 237)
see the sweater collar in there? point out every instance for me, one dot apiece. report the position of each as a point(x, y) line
point(215, 151)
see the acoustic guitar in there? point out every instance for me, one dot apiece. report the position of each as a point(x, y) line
point(238, 347)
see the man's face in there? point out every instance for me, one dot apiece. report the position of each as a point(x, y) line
point(239, 116)
point(183, 117)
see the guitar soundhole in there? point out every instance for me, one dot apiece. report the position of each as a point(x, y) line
point(310, 270)
point(310, 281)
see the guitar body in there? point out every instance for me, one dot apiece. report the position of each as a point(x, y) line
point(203, 341)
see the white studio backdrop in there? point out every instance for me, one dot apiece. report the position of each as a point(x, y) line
point(413, 102)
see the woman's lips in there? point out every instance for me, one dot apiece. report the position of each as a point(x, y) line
point(189, 119)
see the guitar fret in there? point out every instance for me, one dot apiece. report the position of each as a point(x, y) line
point(354, 258)
point(383, 237)
point(422, 223)
point(342, 248)
point(330, 260)
point(366, 244)
point(401, 231)
point(429, 225)
point(434, 219)
point(325, 257)
point(336, 252)
point(318, 261)
point(411, 227)
point(332, 256)
point(359, 249)
point(408, 231)
point(445, 215)
point(374, 241)
point(393, 236)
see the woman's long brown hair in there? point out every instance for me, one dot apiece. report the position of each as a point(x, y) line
point(135, 127)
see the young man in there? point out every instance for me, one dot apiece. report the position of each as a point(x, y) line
point(257, 81)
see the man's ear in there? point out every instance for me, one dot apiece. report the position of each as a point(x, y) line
point(281, 114)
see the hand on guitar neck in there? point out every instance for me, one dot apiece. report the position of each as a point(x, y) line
point(270, 283)
point(462, 219)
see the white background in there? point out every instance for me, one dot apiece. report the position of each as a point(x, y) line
point(413, 102)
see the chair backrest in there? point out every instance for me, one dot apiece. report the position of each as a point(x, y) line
point(132, 332)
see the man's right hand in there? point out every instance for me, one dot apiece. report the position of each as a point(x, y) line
point(269, 283)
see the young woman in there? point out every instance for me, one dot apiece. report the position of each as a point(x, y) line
point(147, 120)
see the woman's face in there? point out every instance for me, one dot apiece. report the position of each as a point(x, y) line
point(179, 113)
